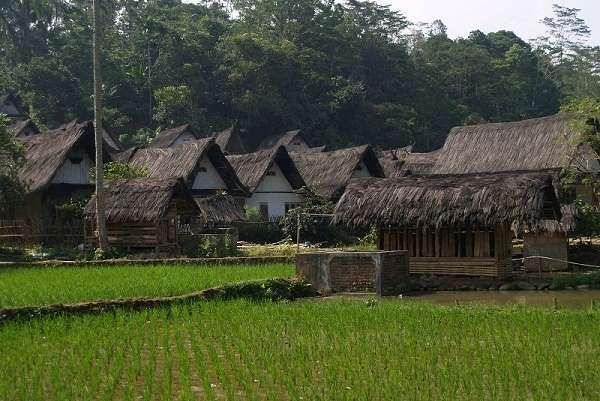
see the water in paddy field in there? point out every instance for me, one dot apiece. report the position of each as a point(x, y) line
point(564, 299)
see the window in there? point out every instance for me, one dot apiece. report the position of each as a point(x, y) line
point(264, 211)
point(202, 169)
point(290, 206)
point(75, 160)
point(271, 173)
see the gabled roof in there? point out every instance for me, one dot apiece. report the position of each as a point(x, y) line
point(284, 139)
point(12, 106)
point(45, 153)
point(515, 198)
point(536, 144)
point(229, 140)
point(252, 167)
point(183, 161)
point(139, 200)
point(111, 141)
point(167, 137)
point(328, 173)
point(23, 128)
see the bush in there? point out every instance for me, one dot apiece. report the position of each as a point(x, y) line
point(210, 246)
point(257, 231)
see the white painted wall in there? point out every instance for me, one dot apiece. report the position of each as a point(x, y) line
point(184, 138)
point(210, 179)
point(362, 173)
point(275, 191)
point(71, 173)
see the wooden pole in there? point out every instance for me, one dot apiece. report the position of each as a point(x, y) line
point(298, 233)
point(97, 42)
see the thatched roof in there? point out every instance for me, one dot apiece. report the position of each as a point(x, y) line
point(23, 128)
point(167, 137)
point(328, 173)
point(45, 153)
point(183, 161)
point(403, 161)
point(229, 140)
point(220, 209)
point(12, 106)
point(111, 141)
point(284, 139)
point(522, 199)
point(252, 167)
point(537, 144)
point(139, 200)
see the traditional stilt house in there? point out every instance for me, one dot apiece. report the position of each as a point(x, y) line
point(205, 171)
point(327, 173)
point(173, 137)
point(143, 213)
point(455, 224)
point(545, 143)
point(273, 181)
point(57, 169)
point(292, 141)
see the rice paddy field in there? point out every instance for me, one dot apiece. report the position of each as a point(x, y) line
point(305, 350)
point(22, 286)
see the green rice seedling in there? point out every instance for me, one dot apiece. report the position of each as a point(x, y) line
point(338, 350)
point(39, 286)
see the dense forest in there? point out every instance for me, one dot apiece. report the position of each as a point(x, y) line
point(345, 73)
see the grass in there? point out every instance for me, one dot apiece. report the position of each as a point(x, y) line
point(42, 286)
point(334, 350)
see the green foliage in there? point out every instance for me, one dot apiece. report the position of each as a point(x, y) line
point(72, 209)
point(346, 73)
point(211, 246)
point(587, 222)
point(591, 279)
point(12, 157)
point(314, 229)
point(257, 231)
point(120, 170)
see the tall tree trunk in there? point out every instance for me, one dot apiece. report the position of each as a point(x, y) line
point(97, 43)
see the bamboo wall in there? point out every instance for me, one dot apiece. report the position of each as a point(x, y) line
point(452, 250)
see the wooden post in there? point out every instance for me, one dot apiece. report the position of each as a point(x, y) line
point(298, 234)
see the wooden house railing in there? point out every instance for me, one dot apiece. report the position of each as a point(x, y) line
point(21, 233)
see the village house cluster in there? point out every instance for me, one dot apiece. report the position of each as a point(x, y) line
point(456, 209)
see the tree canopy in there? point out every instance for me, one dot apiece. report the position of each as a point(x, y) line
point(346, 73)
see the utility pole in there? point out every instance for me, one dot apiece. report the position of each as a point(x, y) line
point(97, 44)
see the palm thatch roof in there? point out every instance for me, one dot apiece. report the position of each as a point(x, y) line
point(220, 209)
point(536, 144)
point(252, 167)
point(23, 128)
point(183, 161)
point(12, 106)
point(45, 153)
point(230, 141)
point(284, 139)
point(522, 199)
point(328, 173)
point(139, 200)
point(167, 137)
point(403, 161)
point(113, 144)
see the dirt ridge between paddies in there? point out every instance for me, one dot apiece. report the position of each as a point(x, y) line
point(216, 262)
point(271, 289)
